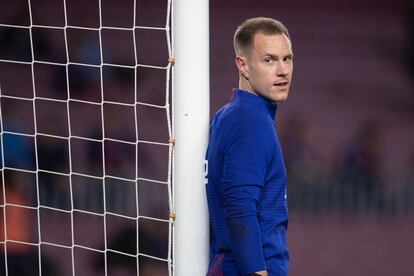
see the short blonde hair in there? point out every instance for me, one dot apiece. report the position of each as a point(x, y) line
point(244, 35)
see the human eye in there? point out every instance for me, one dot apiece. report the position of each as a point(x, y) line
point(268, 60)
point(288, 59)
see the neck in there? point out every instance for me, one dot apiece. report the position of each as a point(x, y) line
point(244, 84)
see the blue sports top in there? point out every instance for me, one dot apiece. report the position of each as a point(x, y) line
point(246, 189)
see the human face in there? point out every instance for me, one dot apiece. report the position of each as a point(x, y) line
point(266, 69)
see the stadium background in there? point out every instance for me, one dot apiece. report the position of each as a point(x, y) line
point(347, 128)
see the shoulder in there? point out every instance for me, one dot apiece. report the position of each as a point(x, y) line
point(241, 114)
point(226, 118)
point(239, 121)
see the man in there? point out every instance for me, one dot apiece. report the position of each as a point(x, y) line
point(246, 187)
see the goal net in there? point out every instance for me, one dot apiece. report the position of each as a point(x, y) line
point(86, 138)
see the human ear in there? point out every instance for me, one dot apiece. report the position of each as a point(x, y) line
point(242, 66)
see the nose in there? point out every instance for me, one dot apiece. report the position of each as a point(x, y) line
point(282, 69)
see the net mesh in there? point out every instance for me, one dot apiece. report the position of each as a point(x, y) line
point(86, 137)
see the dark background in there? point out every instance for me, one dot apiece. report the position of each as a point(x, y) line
point(346, 130)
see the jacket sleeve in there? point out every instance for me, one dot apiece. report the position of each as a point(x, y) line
point(245, 164)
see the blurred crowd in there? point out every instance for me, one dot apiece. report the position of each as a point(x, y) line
point(79, 158)
point(351, 181)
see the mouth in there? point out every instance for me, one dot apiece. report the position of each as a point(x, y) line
point(281, 84)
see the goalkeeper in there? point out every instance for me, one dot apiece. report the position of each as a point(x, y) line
point(246, 187)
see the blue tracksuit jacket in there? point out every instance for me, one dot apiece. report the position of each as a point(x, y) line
point(246, 189)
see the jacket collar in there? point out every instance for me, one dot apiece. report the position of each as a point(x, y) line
point(255, 101)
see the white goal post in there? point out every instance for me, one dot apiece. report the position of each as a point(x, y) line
point(191, 125)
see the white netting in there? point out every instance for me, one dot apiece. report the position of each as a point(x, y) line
point(86, 137)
